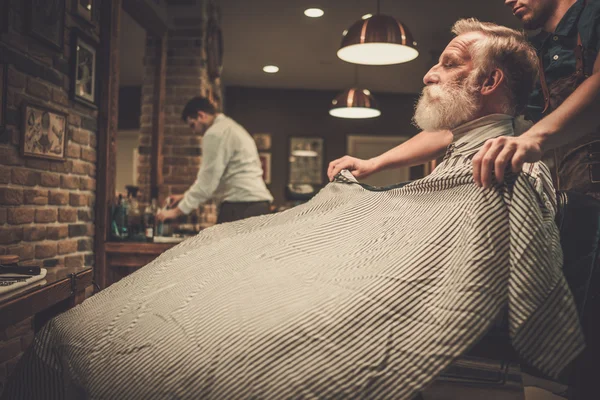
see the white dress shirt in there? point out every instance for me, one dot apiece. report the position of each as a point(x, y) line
point(230, 169)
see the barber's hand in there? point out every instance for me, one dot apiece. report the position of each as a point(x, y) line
point(173, 200)
point(359, 168)
point(169, 214)
point(498, 153)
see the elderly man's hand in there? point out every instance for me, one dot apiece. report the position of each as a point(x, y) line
point(359, 168)
point(169, 214)
point(496, 154)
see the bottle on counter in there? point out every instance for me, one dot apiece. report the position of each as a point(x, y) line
point(134, 215)
point(150, 224)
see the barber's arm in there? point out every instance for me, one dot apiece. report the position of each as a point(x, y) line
point(421, 148)
point(574, 118)
point(216, 153)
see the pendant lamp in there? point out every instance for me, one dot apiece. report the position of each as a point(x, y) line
point(354, 103)
point(378, 40)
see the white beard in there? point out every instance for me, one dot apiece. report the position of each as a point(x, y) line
point(446, 106)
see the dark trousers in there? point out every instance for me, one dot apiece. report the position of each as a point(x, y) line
point(579, 170)
point(230, 211)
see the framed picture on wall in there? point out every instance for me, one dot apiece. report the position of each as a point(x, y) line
point(43, 132)
point(305, 166)
point(83, 68)
point(265, 163)
point(85, 9)
point(46, 21)
point(263, 141)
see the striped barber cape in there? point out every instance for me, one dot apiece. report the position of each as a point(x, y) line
point(359, 293)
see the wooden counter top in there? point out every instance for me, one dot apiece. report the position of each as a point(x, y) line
point(138, 248)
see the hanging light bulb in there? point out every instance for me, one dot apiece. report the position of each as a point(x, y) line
point(378, 40)
point(354, 103)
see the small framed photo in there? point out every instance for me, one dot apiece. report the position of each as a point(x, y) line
point(83, 69)
point(46, 21)
point(44, 132)
point(265, 163)
point(263, 141)
point(85, 9)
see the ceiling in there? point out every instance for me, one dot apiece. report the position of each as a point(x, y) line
point(260, 32)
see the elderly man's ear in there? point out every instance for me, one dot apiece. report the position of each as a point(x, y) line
point(493, 82)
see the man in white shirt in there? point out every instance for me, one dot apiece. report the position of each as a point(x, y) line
point(230, 172)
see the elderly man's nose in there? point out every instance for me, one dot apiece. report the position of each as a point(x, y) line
point(430, 77)
point(509, 2)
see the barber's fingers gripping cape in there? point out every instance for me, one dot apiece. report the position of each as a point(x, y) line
point(355, 294)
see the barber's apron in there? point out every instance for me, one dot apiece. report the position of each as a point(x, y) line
point(576, 165)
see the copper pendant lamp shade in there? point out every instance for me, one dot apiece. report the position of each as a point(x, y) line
point(378, 40)
point(354, 103)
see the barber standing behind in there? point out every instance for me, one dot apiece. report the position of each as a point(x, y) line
point(230, 172)
point(565, 107)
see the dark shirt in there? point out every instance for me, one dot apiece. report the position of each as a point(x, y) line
point(557, 53)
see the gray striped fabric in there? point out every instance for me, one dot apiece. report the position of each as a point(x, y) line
point(355, 294)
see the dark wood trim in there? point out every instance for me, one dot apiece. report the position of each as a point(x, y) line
point(138, 248)
point(158, 118)
point(37, 301)
point(146, 16)
point(108, 117)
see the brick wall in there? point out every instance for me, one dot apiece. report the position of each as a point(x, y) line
point(13, 342)
point(46, 207)
point(186, 77)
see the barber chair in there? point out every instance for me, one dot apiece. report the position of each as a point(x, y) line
point(492, 370)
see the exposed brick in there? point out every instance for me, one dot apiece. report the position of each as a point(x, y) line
point(11, 197)
point(87, 183)
point(34, 233)
point(16, 79)
point(36, 196)
point(75, 261)
point(59, 96)
point(60, 198)
point(11, 235)
point(80, 168)
point(67, 246)
point(24, 251)
point(10, 349)
point(91, 124)
point(69, 181)
point(67, 215)
point(45, 250)
point(88, 154)
point(90, 260)
point(38, 164)
point(10, 156)
point(92, 170)
point(86, 244)
point(73, 150)
point(93, 140)
point(3, 216)
point(64, 167)
point(77, 230)
point(74, 120)
point(25, 177)
point(80, 136)
point(4, 174)
point(38, 89)
point(85, 215)
point(20, 215)
point(57, 232)
point(50, 179)
point(176, 161)
point(78, 199)
point(45, 215)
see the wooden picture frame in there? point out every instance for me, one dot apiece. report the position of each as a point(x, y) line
point(84, 64)
point(265, 162)
point(263, 141)
point(46, 21)
point(43, 132)
point(85, 9)
point(306, 160)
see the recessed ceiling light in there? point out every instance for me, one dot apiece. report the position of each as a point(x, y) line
point(367, 16)
point(313, 12)
point(271, 69)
